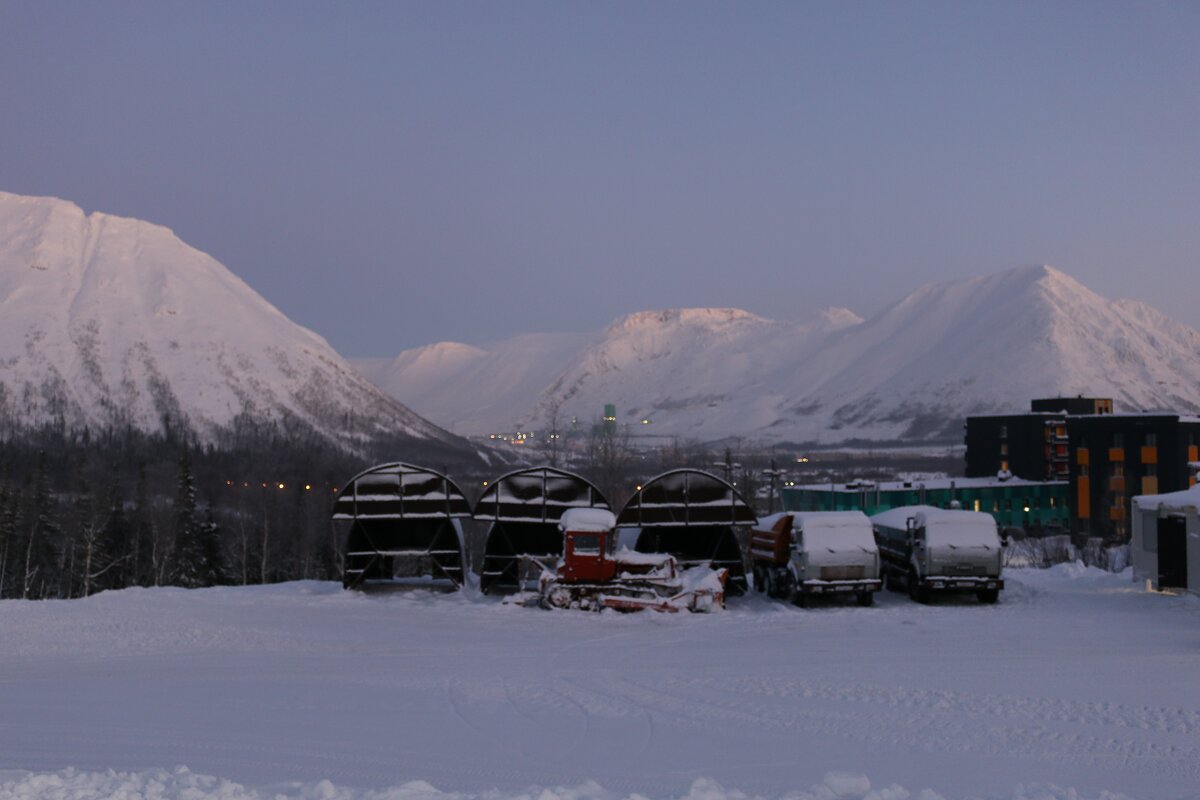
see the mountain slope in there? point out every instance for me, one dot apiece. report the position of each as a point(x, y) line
point(911, 372)
point(108, 321)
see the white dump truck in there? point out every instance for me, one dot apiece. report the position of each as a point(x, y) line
point(802, 554)
point(931, 549)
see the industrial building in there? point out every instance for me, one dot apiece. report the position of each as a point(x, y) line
point(1036, 506)
point(1107, 458)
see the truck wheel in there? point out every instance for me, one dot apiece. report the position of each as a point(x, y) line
point(785, 586)
point(988, 596)
point(915, 590)
point(760, 580)
point(866, 598)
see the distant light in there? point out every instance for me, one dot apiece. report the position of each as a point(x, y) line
point(281, 486)
point(645, 422)
point(485, 483)
point(264, 486)
point(308, 487)
point(229, 483)
point(639, 488)
point(1026, 509)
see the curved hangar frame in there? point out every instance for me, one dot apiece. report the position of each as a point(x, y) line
point(524, 508)
point(398, 523)
point(694, 516)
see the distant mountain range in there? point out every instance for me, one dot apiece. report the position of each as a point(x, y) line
point(910, 373)
point(107, 321)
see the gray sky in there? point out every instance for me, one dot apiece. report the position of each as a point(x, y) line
point(392, 174)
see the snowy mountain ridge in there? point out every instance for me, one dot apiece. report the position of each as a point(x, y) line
point(109, 321)
point(912, 372)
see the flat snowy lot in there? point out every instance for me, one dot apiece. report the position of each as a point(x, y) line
point(1077, 680)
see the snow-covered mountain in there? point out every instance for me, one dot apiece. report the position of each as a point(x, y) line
point(912, 372)
point(109, 321)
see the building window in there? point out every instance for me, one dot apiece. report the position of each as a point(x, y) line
point(1083, 470)
point(1052, 501)
point(1003, 431)
point(976, 504)
point(1004, 448)
point(1150, 470)
point(1118, 439)
point(1151, 439)
point(995, 505)
point(1004, 466)
point(1118, 469)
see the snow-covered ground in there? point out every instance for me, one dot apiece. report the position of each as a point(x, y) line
point(1077, 685)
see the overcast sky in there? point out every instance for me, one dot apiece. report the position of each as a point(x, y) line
point(392, 174)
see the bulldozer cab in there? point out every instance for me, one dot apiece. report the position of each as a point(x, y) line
point(588, 538)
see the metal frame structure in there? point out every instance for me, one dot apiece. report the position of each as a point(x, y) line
point(524, 508)
point(396, 522)
point(693, 515)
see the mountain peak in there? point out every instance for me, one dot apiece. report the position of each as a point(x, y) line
point(110, 321)
point(701, 317)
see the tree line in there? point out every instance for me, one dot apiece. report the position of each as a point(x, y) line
point(82, 512)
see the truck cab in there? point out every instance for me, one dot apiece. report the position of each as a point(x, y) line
point(800, 555)
point(940, 550)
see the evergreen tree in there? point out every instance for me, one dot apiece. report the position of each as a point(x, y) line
point(189, 556)
point(41, 567)
point(197, 546)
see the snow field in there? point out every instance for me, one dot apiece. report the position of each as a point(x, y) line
point(1077, 685)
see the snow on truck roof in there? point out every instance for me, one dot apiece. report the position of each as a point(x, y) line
point(588, 520)
point(830, 519)
point(823, 519)
point(926, 515)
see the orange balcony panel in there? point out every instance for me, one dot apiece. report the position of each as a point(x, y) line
point(1116, 454)
point(1083, 498)
point(1116, 513)
point(1150, 485)
point(1194, 453)
point(1149, 455)
point(1082, 456)
point(1116, 485)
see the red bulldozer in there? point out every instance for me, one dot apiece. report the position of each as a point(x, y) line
point(593, 574)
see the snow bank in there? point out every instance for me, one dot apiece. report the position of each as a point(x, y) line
point(183, 784)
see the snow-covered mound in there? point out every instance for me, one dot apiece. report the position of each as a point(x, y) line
point(109, 321)
point(912, 372)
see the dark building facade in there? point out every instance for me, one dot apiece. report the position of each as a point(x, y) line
point(1107, 458)
point(1116, 457)
point(1031, 446)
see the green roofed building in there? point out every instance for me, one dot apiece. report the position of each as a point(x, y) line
point(1014, 502)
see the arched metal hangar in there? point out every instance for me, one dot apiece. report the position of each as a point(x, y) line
point(399, 525)
point(694, 516)
point(524, 508)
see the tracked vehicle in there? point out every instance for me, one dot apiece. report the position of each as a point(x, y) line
point(593, 575)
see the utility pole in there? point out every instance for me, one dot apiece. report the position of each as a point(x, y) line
point(773, 474)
